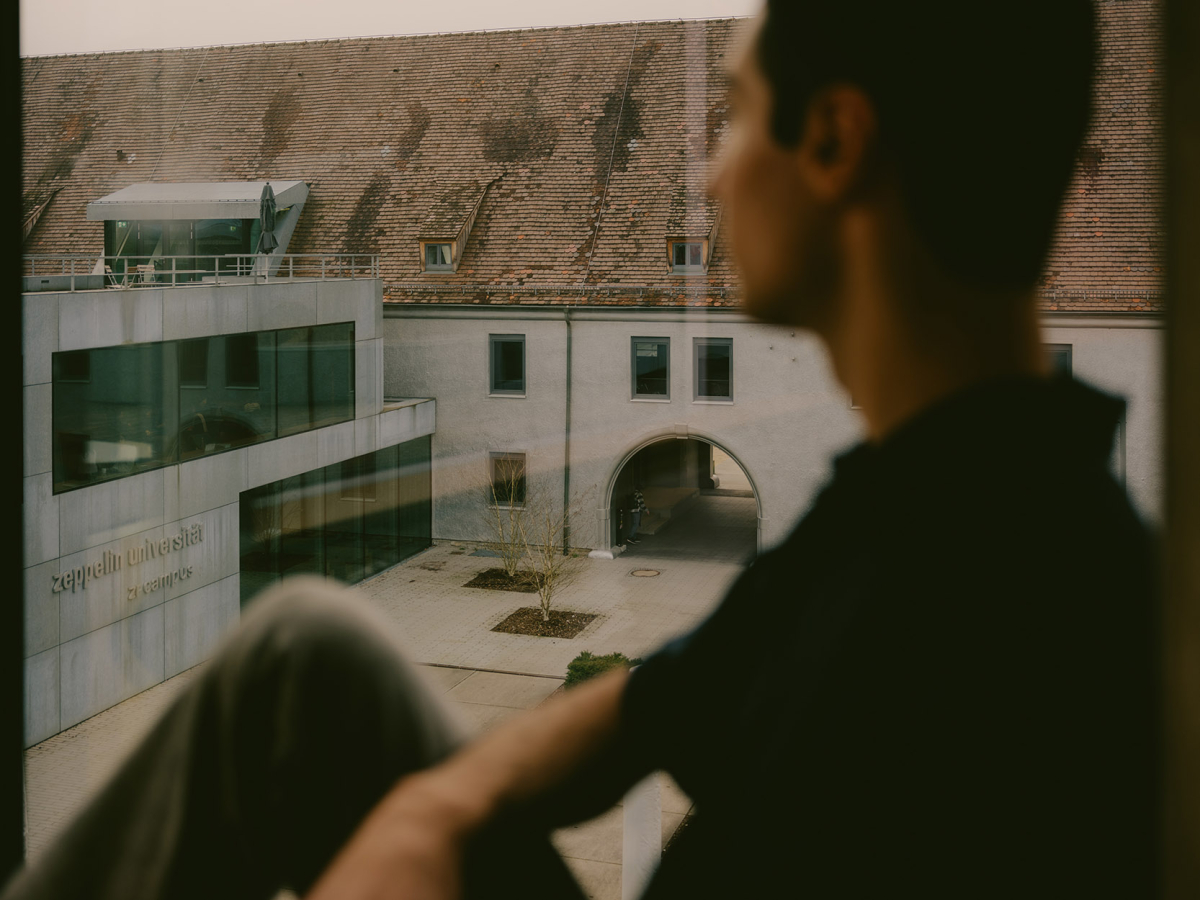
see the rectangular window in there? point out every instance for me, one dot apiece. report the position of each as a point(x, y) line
point(687, 256)
point(507, 363)
point(122, 410)
point(193, 363)
point(714, 368)
point(508, 479)
point(1058, 357)
point(652, 368)
point(437, 258)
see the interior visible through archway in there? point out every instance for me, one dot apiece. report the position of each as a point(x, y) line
point(701, 504)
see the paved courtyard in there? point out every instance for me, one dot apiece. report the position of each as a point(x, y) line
point(484, 677)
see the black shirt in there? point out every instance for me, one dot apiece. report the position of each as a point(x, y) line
point(942, 684)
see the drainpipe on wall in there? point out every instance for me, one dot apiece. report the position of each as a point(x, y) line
point(566, 532)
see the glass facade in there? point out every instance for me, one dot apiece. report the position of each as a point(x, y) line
point(348, 521)
point(200, 245)
point(122, 410)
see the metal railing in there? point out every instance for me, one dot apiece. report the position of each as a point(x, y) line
point(82, 272)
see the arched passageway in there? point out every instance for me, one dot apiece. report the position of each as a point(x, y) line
point(702, 504)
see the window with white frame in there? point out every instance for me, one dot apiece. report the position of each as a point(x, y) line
point(507, 364)
point(439, 258)
point(651, 368)
point(687, 257)
point(713, 368)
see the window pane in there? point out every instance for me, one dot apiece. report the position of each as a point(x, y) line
point(301, 542)
point(259, 518)
point(508, 365)
point(343, 522)
point(680, 254)
point(650, 368)
point(295, 393)
point(331, 363)
point(193, 363)
point(109, 414)
point(217, 237)
point(437, 256)
point(508, 479)
point(713, 369)
point(414, 496)
point(695, 255)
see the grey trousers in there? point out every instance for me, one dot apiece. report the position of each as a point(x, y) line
point(267, 762)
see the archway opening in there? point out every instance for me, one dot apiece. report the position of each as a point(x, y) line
point(701, 504)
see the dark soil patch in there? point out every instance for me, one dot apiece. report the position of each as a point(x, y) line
point(528, 620)
point(499, 580)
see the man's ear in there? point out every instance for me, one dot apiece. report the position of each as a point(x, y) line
point(837, 151)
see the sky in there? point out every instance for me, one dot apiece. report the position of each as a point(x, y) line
point(89, 26)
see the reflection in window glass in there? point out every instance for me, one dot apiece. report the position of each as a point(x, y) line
point(120, 410)
point(347, 521)
point(111, 422)
point(651, 367)
point(714, 368)
point(508, 478)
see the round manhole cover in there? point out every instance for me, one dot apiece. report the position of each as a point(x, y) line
point(644, 573)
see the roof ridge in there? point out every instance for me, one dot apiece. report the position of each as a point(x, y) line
point(380, 37)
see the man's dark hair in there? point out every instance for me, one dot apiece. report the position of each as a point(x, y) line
point(982, 108)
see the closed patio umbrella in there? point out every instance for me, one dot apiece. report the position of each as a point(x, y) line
point(266, 221)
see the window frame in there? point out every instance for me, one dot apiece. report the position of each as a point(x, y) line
point(697, 343)
point(493, 391)
point(687, 269)
point(495, 456)
point(438, 269)
point(633, 375)
point(1056, 354)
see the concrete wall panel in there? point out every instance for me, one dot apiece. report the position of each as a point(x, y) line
point(111, 664)
point(195, 623)
point(39, 335)
point(335, 443)
point(41, 696)
point(101, 513)
point(366, 435)
point(212, 481)
point(282, 305)
point(202, 311)
point(41, 513)
point(108, 318)
point(282, 458)
point(38, 416)
point(368, 377)
point(359, 300)
point(41, 608)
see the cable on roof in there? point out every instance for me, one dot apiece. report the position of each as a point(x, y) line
point(182, 107)
point(612, 153)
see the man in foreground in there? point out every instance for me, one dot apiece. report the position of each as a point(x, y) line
point(941, 684)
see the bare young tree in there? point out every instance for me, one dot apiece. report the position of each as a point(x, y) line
point(504, 510)
point(542, 527)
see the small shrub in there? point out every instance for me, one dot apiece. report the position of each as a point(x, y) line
point(587, 665)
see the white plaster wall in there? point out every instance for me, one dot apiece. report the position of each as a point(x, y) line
point(1124, 358)
point(787, 417)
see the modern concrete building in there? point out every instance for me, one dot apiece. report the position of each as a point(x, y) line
point(187, 445)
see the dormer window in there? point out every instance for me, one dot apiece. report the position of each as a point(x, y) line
point(688, 257)
point(438, 258)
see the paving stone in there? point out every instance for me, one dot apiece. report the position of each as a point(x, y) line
point(494, 689)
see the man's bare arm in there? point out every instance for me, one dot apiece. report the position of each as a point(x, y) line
point(559, 763)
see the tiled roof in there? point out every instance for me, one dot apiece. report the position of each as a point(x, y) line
point(595, 140)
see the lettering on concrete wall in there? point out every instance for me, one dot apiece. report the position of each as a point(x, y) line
point(81, 576)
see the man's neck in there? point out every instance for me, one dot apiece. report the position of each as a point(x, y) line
point(906, 338)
